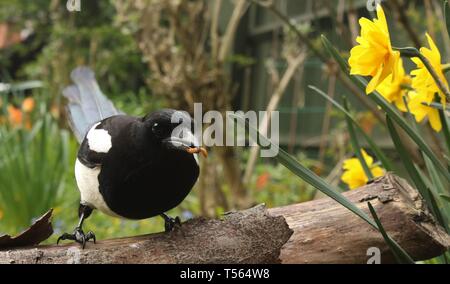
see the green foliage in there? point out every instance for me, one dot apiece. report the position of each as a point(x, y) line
point(361, 82)
point(319, 183)
point(62, 40)
point(445, 128)
point(447, 16)
point(387, 164)
point(34, 167)
point(275, 185)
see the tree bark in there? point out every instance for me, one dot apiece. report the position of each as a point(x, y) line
point(318, 231)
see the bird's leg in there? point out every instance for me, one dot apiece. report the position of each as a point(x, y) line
point(169, 222)
point(78, 235)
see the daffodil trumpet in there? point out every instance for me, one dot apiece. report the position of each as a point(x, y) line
point(412, 52)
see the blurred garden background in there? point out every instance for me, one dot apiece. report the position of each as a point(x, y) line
point(229, 55)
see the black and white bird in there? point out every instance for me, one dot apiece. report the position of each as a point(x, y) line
point(127, 167)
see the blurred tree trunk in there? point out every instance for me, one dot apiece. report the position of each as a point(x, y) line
point(295, 57)
point(232, 172)
point(210, 193)
point(175, 37)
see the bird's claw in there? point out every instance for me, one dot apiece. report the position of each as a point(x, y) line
point(170, 223)
point(78, 236)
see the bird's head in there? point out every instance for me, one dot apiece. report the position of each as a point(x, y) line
point(173, 130)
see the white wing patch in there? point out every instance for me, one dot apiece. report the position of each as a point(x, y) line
point(99, 140)
point(87, 181)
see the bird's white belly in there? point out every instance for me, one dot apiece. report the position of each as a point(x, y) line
point(88, 185)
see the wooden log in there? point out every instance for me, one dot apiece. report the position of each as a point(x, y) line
point(326, 232)
point(319, 231)
point(249, 236)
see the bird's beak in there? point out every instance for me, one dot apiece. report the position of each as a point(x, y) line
point(187, 145)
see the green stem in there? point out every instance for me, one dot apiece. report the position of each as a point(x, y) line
point(445, 128)
point(445, 67)
point(413, 52)
point(406, 87)
point(437, 105)
point(355, 143)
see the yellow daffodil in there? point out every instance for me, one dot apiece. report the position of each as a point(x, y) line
point(422, 81)
point(394, 89)
point(374, 55)
point(354, 175)
point(421, 111)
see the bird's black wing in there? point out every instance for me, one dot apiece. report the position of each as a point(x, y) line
point(88, 157)
point(120, 128)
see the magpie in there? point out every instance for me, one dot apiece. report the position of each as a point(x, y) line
point(128, 167)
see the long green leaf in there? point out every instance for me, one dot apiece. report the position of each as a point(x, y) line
point(447, 16)
point(413, 173)
point(447, 158)
point(438, 189)
point(445, 197)
point(355, 144)
point(361, 82)
point(373, 146)
point(435, 177)
point(400, 254)
point(445, 128)
point(439, 213)
point(307, 175)
point(435, 185)
point(406, 158)
point(304, 173)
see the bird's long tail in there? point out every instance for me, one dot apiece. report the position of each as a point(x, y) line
point(87, 104)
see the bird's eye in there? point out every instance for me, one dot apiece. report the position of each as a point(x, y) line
point(159, 130)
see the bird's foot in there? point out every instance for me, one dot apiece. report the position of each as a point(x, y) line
point(78, 236)
point(170, 223)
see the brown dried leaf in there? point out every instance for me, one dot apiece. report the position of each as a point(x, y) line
point(38, 232)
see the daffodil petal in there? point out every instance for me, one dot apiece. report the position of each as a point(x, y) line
point(434, 119)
